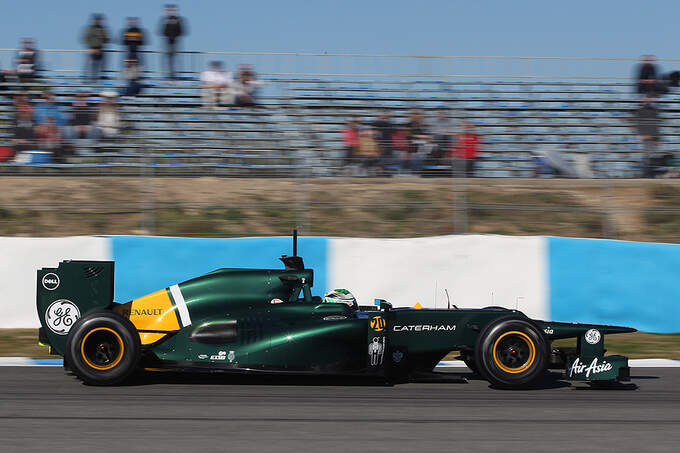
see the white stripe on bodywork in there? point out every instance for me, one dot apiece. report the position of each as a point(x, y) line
point(181, 305)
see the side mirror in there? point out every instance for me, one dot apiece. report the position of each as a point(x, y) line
point(383, 304)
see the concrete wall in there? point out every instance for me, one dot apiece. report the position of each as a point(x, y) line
point(552, 278)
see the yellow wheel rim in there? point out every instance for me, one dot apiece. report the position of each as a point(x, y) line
point(104, 350)
point(514, 352)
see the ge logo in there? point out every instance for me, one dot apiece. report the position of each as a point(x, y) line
point(60, 316)
point(593, 336)
point(50, 281)
point(378, 323)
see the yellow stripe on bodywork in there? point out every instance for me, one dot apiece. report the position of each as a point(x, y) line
point(151, 312)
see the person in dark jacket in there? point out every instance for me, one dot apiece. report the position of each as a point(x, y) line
point(647, 124)
point(82, 118)
point(27, 61)
point(134, 39)
point(24, 129)
point(172, 28)
point(96, 36)
point(648, 83)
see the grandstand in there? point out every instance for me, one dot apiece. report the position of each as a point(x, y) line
point(295, 129)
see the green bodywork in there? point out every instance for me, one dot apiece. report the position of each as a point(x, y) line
point(248, 320)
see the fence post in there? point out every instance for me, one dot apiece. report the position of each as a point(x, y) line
point(607, 210)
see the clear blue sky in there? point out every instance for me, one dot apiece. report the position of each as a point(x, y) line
point(598, 28)
point(594, 28)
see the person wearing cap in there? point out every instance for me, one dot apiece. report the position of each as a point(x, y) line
point(108, 118)
point(134, 39)
point(215, 86)
point(96, 36)
point(172, 28)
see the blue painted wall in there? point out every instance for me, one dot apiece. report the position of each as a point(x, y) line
point(615, 282)
point(147, 264)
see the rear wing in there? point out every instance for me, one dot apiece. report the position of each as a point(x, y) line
point(66, 293)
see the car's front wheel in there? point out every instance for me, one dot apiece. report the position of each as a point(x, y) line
point(511, 352)
point(103, 348)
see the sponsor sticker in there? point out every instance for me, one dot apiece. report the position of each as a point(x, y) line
point(60, 316)
point(334, 318)
point(425, 328)
point(276, 301)
point(231, 356)
point(378, 323)
point(222, 355)
point(579, 367)
point(376, 349)
point(593, 336)
point(202, 356)
point(397, 356)
point(50, 281)
point(548, 330)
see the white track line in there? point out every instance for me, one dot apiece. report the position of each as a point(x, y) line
point(633, 363)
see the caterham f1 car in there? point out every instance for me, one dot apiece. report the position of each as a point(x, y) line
point(267, 321)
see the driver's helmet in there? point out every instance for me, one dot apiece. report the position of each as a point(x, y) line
point(341, 296)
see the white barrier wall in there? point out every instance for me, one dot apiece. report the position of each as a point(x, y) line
point(20, 258)
point(477, 271)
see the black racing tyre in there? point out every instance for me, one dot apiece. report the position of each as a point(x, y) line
point(511, 352)
point(103, 348)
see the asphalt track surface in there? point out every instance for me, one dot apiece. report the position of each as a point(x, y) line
point(42, 409)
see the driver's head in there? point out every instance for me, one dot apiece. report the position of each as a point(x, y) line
point(341, 296)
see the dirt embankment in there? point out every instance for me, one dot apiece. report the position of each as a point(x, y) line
point(388, 207)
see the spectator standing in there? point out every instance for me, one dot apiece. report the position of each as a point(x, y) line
point(350, 138)
point(172, 28)
point(647, 124)
point(442, 132)
point(132, 73)
point(108, 118)
point(27, 61)
point(96, 36)
point(467, 149)
point(368, 151)
point(82, 118)
point(215, 86)
point(647, 79)
point(384, 131)
point(134, 39)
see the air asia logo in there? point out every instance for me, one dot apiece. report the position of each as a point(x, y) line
point(378, 323)
point(593, 336)
point(425, 328)
point(579, 367)
point(60, 316)
point(376, 349)
point(50, 281)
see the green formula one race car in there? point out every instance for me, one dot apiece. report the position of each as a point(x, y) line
point(267, 321)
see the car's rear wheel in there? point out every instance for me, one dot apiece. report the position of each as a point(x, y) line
point(103, 348)
point(511, 352)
